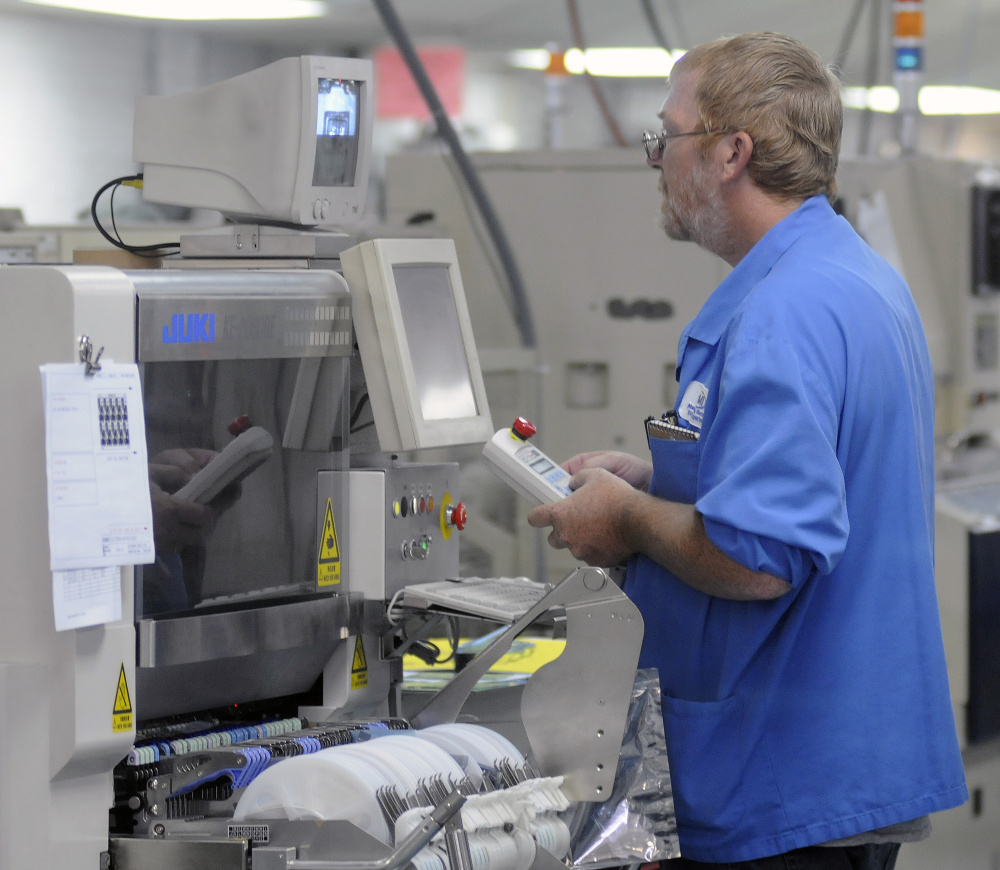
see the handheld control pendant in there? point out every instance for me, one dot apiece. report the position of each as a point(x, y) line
point(524, 467)
point(251, 447)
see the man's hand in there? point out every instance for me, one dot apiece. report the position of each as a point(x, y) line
point(172, 469)
point(608, 519)
point(592, 522)
point(178, 522)
point(633, 470)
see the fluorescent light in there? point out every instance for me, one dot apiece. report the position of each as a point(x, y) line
point(945, 100)
point(196, 10)
point(530, 58)
point(628, 62)
point(933, 100)
point(878, 99)
point(619, 62)
point(882, 98)
point(657, 63)
point(575, 61)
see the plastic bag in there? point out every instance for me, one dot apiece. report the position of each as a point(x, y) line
point(637, 823)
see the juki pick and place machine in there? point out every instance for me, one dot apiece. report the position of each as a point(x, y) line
point(247, 705)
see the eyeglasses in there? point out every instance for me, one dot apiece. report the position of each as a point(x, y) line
point(656, 142)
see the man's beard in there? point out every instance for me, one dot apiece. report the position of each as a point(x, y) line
point(692, 211)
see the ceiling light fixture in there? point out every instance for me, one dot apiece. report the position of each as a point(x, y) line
point(657, 63)
point(196, 10)
point(617, 62)
point(933, 100)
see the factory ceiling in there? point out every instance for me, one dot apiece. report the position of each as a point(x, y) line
point(961, 35)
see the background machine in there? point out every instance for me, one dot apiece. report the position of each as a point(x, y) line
point(270, 628)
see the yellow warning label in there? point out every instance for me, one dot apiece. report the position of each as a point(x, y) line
point(328, 564)
point(359, 667)
point(121, 718)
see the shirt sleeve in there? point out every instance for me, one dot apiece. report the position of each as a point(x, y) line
point(770, 488)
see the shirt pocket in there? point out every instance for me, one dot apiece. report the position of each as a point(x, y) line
point(675, 469)
point(707, 763)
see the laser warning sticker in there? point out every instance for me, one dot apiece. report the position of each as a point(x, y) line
point(359, 667)
point(121, 717)
point(328, 564)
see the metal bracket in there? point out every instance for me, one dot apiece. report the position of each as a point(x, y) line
point(574, 708)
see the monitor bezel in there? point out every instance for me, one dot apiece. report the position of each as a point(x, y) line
point(385, 352)
point(346, 204)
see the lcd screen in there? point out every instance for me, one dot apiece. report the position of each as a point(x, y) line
point(434, 335)
point(337, 132)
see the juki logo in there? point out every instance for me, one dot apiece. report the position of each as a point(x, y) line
point(190, 328)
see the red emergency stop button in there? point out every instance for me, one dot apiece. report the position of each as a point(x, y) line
point(523, 429)
point(240, 425)
point(457, 516)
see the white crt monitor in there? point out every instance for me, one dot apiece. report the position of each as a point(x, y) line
point(414, 334)
point(289, 143)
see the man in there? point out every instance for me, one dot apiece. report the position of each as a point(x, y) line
point(783, 562)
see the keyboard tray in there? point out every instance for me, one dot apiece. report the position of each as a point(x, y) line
point(502, 599)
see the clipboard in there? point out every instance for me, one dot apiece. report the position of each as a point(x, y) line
point(667, 428)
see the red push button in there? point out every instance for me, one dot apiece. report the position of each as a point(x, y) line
point(458, 516)
point(523, 429)
point(240, 425)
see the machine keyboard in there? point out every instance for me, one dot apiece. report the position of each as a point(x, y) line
point(503, 599)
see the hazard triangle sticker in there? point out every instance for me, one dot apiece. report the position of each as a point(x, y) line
point(359, 667)
point(328, 567)
point(121, 717)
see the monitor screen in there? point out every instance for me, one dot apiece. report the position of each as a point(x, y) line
point(437, 351)
point(414, 335)
point(337, 132)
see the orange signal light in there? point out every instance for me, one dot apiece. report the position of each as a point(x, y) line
point(909, 25)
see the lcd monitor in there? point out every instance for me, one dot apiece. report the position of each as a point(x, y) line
point(417, 349)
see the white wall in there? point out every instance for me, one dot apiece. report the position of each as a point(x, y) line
point(66, 103)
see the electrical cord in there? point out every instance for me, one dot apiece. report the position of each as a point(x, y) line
point(525, 322)
point(871, 73)
point(595, 88)
point(653, 20)
point(151, 251)
point(847, 40)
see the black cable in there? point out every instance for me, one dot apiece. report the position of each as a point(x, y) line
point(111, 208)
point(138, 250)
point(452, 637)
point(358, 409)
point(871, 73)
point(847, 40)
point(653, 20)
point(595, 88)
point(522, 315)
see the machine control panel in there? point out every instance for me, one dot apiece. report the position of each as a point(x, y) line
point(405, 522)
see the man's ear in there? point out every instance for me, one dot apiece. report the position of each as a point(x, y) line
point(736, 150)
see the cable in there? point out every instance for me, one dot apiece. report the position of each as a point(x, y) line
point(871, 72)
point(392, 603)
point(653, 20)
point(116, 240)
point(847, 40)
point(358, 408)
point(595, 88)
point(522, 314)
point(452, 638)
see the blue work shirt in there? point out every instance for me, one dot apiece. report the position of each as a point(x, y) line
point(823, 713)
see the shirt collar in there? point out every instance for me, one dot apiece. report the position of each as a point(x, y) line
point(710, 322)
